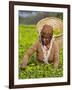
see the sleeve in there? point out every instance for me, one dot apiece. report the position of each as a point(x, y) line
point(29, 52)
point(56, 55)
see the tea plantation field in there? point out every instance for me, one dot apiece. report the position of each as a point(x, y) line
point(27, 37)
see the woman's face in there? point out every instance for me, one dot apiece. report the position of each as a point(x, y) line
point(46, 34)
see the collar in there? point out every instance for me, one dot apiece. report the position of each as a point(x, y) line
point(46, 52)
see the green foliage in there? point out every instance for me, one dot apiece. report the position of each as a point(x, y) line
point(40, 71)
point(27, 36)
point(57, 32)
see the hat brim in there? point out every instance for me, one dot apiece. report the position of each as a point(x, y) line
point(56, 23)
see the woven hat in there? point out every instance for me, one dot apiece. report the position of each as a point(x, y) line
point(56, 23)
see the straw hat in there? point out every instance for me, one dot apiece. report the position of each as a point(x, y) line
point(56, 23)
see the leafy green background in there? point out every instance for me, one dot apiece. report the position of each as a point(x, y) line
point(27, 37)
